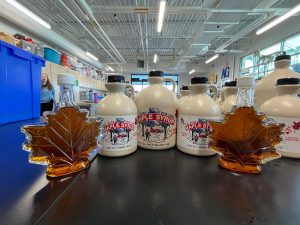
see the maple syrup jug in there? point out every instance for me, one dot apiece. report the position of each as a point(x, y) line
point(156, 107)
point(230, 97)
point(185, 93)
point(119, 115)
point(193, 115)
point(265, 88)
point(285, 108)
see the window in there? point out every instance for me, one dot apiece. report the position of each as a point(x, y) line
point(260, 66)
point(292, 45)
point(270, 50)
point(139, 81)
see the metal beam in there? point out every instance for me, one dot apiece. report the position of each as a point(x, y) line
point(220, 23)
point(175, 9)
point(149, 37)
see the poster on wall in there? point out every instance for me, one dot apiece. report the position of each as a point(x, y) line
point(225, 72)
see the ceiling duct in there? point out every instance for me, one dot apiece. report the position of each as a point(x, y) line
point(84, 5)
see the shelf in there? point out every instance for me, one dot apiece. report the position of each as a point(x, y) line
point(53, 69)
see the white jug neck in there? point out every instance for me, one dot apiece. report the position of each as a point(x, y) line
point(115, 87)
point(156, 80)
point(281, 64)
point(185, 92)
point(288, 89)
point(198, 88)
point(230, 91)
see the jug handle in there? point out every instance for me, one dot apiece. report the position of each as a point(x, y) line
point(172, 81)
point(214, 90)
point(131, 90)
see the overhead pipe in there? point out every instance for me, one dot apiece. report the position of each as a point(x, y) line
point(102, 33)
point(147, 44)
point(78, 20)
point(21, 20)
point(140, 28)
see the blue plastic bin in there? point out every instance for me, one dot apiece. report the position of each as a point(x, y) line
point(52, 55)
point(20, 84)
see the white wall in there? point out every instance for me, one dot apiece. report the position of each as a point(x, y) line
point(232, 60)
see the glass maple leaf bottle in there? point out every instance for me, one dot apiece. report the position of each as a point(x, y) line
point(119, 115)
point(245, 139)
point(68, 141)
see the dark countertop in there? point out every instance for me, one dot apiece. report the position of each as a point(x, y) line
point(147, 187)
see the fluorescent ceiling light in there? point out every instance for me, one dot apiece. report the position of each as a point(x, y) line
point(213, 31)
point(92, 56)
point(155, 58)
point(29, 13)
point(212, 58)
point(162, 8)
point(280, 19)
point(221, 23)
point(111, 69)
point(192, 71)
point(200, 44)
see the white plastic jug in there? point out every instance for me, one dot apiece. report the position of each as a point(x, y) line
point(193, 116)
point(230, 97)
point(285, 108)
point(156, 107)
point(265, 88)
point(119, 114)
point(185, 93)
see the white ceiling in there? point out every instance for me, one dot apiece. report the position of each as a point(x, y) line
point(92, 26)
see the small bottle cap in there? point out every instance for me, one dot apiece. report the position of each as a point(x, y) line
point(185, 88)
point(288, 81)
point(199, 80)
point(230, 84)
point(246, 81)
point(115, 78)
point(282, 57)
point(156, 74)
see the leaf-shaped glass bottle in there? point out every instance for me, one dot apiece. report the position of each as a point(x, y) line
point(68, 141)
point(245, 139)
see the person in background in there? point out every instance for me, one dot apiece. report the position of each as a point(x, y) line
point(47, 95)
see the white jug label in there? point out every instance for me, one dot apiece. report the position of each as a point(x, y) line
point(291, 135)
point(120, 132)
point(156, 128)
point(193, 131)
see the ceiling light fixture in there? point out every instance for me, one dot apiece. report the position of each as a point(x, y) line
point(162, 8)
point(213, 31)
point(29, 13)
point(280, 19)
point(155, 58)
point(212, 58)
point(192, 71)
point(200, 44)
point(92, 56)
point(111, 69)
